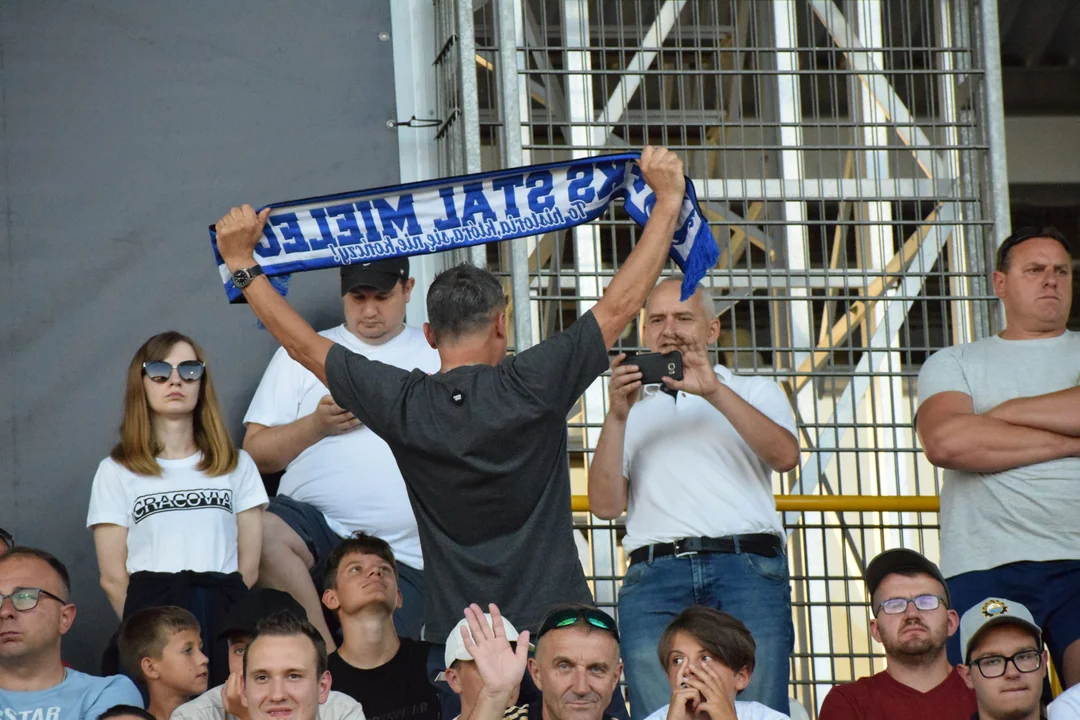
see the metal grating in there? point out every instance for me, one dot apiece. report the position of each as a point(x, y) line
point(847, 154)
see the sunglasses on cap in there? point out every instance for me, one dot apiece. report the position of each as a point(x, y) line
point(1027, 233)
point(573, 616)
point(160, 371)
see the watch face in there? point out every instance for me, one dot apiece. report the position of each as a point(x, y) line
point(241, 278)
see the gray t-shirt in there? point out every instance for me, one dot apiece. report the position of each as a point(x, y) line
point(1027, 513)
point(483, 451)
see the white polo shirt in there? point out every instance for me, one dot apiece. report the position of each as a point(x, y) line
point(353, 479)
point(691, 474)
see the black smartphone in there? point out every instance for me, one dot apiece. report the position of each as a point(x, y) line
point(654, 366)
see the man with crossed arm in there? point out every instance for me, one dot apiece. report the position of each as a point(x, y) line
point(1001, 417)
point(486, 436)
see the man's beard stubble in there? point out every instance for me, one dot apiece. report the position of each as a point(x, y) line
point(915, 651)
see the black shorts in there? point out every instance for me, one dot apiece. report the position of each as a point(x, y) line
point(310, 524)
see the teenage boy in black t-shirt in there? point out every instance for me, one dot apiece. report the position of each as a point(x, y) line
point(387, 674)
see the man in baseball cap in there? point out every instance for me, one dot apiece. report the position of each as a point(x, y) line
point(1004, 660)
point(912, 619)
point(223, 702)
point(461, 673)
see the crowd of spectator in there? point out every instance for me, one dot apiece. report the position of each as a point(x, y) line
point(426, 472)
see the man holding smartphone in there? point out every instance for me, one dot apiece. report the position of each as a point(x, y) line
point(695, 458)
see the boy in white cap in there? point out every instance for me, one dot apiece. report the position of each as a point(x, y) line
point(461, 673)
point(1004, 660)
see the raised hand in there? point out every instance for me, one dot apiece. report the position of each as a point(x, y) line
point(500, 666)
point(623, 388)
point(238, 233)
point(663, 171)
point(332, 419)
point(231, 693)
point(699, 378)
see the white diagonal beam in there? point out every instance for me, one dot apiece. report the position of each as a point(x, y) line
point(873, 76)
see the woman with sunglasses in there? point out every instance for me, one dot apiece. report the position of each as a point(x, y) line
point(176, 509)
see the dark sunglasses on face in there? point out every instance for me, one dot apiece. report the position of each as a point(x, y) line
point(922, 603)
point(160, 371)
point(25, 599)
point(993, 666)
point(566, 618)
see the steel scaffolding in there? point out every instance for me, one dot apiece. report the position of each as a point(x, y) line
point(849, 155)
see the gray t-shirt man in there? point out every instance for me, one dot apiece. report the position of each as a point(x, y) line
point(483, 451)
point(1034, 506)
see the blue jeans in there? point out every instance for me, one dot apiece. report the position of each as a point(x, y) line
point(753, 588)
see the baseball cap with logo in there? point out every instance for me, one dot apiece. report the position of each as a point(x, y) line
point(455, 644)
point(992, 612)
point(381, 275)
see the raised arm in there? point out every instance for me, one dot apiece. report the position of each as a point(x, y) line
point(607, 484)
point(1057, 412)
point(663, 171)
point(501, 667)
point(954, 437)
point(237, 235)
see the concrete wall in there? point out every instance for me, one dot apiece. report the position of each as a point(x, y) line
point(125, 129)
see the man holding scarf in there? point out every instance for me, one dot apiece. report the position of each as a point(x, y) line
point(482, 445)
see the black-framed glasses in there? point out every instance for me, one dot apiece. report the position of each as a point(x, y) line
point(993, 666)
point(7, 538)
point(922, 603)
point(572, 616)
point(1027, 233)
point(24, 599)
point(160, 371)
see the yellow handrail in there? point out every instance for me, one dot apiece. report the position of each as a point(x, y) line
point(830, 503)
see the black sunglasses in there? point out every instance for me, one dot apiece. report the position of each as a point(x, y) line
point(7, 538)
point(160, 371)
point(1027, 233)
point(573, 616)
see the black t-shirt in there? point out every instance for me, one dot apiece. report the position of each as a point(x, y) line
point(398, 690)
point(483, 451)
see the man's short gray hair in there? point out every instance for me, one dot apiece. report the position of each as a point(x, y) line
point(707, 301)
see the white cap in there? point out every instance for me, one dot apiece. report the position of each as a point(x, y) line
point(455, 644)
point(991, 612)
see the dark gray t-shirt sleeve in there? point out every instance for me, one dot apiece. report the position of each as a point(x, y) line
point(370, 390)
point(559, 369)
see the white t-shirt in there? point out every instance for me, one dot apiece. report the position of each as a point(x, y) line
point(691, 474)
point(183, 520)
point(1026, 513)
point(210, 706)
point(743, 710)
point(1065, 706)
point(353, 478)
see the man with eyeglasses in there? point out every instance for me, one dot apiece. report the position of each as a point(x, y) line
point(1004, 660)
point(35, 613)
point(1001, 416)
point(912, 618)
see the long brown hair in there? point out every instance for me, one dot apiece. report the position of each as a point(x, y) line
point(138, 447)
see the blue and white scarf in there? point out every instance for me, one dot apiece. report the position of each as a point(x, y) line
point(436, 215)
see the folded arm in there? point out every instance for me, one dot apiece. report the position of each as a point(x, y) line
point(1057, 412)
point(237, 234)
point(954, 437)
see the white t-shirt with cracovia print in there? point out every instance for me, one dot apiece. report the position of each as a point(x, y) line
point(182, 520)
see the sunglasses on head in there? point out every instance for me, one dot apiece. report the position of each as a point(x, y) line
point(160, 371)
point(573, 616)
point(7, 538)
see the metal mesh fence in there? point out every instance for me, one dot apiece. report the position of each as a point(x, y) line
point(841, 156)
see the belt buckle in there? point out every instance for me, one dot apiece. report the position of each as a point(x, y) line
point(680, 548)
